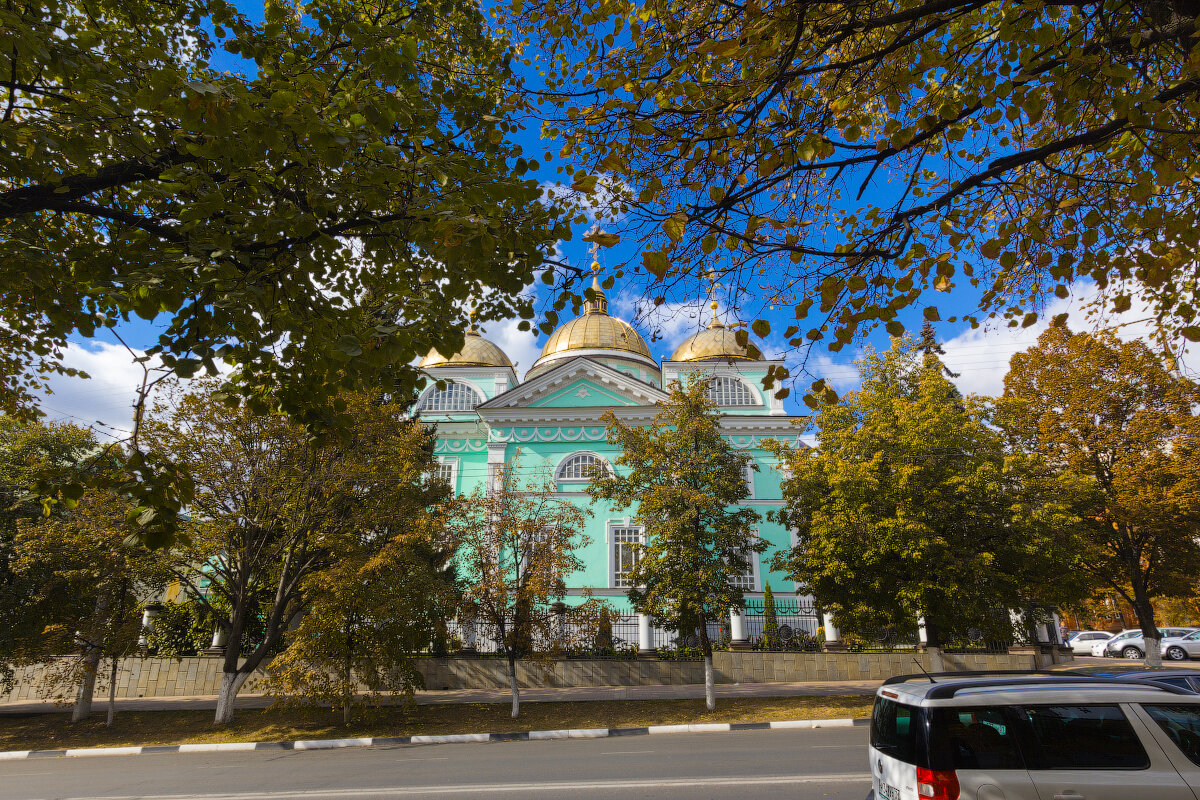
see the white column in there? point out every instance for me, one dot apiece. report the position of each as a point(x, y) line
point(149, 612)
point(737, 626)
point(832, 634)
point(495, 462)
point(922, 634)
point(645, 634)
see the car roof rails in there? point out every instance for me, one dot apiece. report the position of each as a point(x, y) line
point(971, 673)
point(944, 691)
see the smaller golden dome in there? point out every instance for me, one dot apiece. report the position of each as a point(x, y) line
point(715, 343)
point(476, 352)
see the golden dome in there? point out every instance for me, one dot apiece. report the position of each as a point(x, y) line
point(716, 342)
point(595, 330)
point(476, 352)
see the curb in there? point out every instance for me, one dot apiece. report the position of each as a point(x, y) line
point(460, 738)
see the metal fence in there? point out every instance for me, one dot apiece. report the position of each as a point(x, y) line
point(785, 624)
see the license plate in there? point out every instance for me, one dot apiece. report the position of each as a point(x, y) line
point(887, 792)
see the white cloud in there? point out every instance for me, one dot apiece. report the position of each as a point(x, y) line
point(521, 347)
point(981, 356)
point(104, 401)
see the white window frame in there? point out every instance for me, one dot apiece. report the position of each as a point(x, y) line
point(452, 463)
point(750, 473)
point(452, 388)
point(754, 577)
point(562, 465)
point(626, 528)
point(729, 385)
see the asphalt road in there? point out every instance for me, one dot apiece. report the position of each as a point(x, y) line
point(798, 764)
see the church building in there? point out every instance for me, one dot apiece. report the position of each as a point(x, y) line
point(547, 422)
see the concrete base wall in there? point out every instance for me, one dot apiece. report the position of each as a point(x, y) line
point(155, 677)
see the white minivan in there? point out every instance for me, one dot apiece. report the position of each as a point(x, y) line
point(1033, 737)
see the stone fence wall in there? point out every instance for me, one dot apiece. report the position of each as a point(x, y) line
point(160, 677)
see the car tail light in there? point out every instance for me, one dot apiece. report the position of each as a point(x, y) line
point(937, 784)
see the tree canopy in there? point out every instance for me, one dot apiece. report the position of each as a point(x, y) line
point(909, 507)
point(362, 154)
point(1120, 432)
point(853, 157)
point(687, 482)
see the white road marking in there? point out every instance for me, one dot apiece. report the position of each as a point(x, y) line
point(625, 752)
point(491, 788)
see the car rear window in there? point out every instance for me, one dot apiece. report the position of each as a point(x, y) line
point(973, 738)
point(1182, 724)
point(896, 730)
point(1083, 737)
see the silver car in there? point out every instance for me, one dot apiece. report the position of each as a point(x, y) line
point(1033, 737)
point(1182, 648)
point(1131, 643)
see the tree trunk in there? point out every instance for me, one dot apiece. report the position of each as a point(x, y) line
point(710, 697)
point(87, 685)
point(112, 693)
point(231, 684)
point(933, 645)
point(1145, 616)
point(512, 682)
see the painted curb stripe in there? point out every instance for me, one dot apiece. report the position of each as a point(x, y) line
point(460, 738)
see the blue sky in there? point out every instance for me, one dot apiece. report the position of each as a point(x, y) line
point(981, 356)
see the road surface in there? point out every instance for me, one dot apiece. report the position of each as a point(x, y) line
point(798, 764)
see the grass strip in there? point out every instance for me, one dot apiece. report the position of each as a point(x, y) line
point(133, 728)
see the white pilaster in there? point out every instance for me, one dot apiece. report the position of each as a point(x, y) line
point(832, 634)
point(737, 626)
point(645, 634)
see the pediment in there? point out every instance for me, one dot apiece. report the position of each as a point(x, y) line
point(579, 383)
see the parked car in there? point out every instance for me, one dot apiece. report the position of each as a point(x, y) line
point(1082, 641)
point(1023, 737)
point(1098, 647)
point(1129, 644)
point(1182, 648)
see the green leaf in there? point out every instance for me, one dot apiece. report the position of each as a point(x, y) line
point(656, 263)
point(675, 225)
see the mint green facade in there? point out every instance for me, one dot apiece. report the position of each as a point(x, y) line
point(539, 424)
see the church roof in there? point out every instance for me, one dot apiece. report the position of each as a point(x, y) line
point(476, 352)
point(716, 342)
point(594, 330)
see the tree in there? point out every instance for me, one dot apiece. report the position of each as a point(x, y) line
point(909, 508)
point(86, 584)
point(770, 620)
point(274, 505)
point(366, 617)
point(686, 481)
point(29, 452)
point(855, 155)
point(517, 546)
point(363, 152)
point(1120, 430)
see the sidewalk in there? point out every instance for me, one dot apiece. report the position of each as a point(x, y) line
point(531, 695)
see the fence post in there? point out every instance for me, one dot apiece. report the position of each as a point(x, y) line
point(645, 637)
point(833, 637)
point(737, 630)
point(922, 635)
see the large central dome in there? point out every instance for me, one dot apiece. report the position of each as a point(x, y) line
point(598, 335)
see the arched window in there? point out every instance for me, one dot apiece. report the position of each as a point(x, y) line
point(727, 391)
point(581, 467)
point(455, 397)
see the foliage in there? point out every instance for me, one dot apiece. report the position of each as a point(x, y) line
point(29, 451)
point(1120, 433)
point(85, 583)
point(855, 156)
point(518, 543)
point(180, 629)
point(770, 620)
point(685, 480)
point(317, 220)
point(908, 508)
point(367, 616)
point(274, 505)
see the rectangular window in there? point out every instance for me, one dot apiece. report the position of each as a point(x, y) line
point(1083, 737)
point(974, 737)
point(896, 730)
point(444, 471)
point(747, 581)
point(625, 543)
point(1182, 724)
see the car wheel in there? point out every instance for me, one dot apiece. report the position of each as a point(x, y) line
point(1131, 652)
point(1176, 653)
